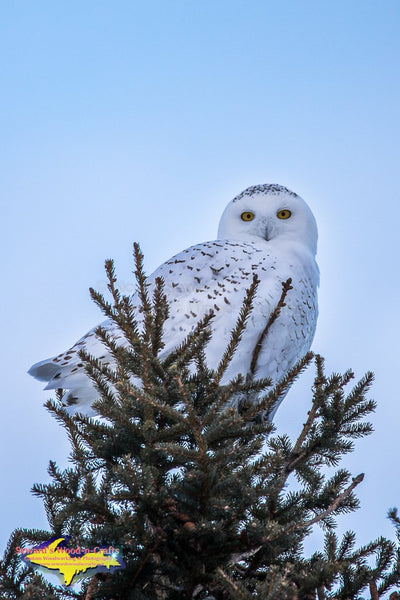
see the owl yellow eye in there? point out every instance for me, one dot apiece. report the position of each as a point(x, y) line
point(283, 214)
point(247, 216)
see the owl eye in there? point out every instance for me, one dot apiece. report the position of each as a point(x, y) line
point(247, 216)
point(283, 214)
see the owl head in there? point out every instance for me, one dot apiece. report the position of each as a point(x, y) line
point(270, 212)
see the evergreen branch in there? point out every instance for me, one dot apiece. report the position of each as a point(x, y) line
point(267, 403)
point(313, 412)
point(237, 332)
point(160, 308)
point(321, 592)
point(145, 304)
point(331, 509)
point(184, 352)
point(193, 419)
point(393, 515)
point(156, 405)
point(320, 380)
point(99, 372)
point(286, 286)
point(74, 433)
point(121, 312)
point(112, 280)
point(93, 584)
point(296, 456)
point(373, 590)
point(222, 401)
point(240, 557)
point(145, 559)
point(330, 422)
point(148, 329)
point(240, 594)
point(101, 302)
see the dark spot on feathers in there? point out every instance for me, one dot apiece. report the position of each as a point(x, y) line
point(266, 188)
point(216, 271)
point(72, 400)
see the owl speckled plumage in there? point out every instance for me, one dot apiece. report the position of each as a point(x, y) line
point(266, 230)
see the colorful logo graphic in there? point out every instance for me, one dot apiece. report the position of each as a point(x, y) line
point(72, 564)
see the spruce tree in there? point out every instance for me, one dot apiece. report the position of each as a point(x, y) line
point(189, 478)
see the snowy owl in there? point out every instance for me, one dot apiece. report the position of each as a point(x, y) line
point(266, 230)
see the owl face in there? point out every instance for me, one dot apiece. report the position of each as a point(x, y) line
point(269, 212)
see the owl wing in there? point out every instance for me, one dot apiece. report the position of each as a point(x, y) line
point(212, 276)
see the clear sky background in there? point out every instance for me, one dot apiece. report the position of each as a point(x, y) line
point(126, 120)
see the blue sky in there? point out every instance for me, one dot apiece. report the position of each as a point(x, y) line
point(125, 120)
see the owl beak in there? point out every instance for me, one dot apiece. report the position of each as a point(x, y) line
point(266, 235)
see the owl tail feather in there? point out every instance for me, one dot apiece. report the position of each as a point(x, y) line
point(80, 390)
point(44, 370)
